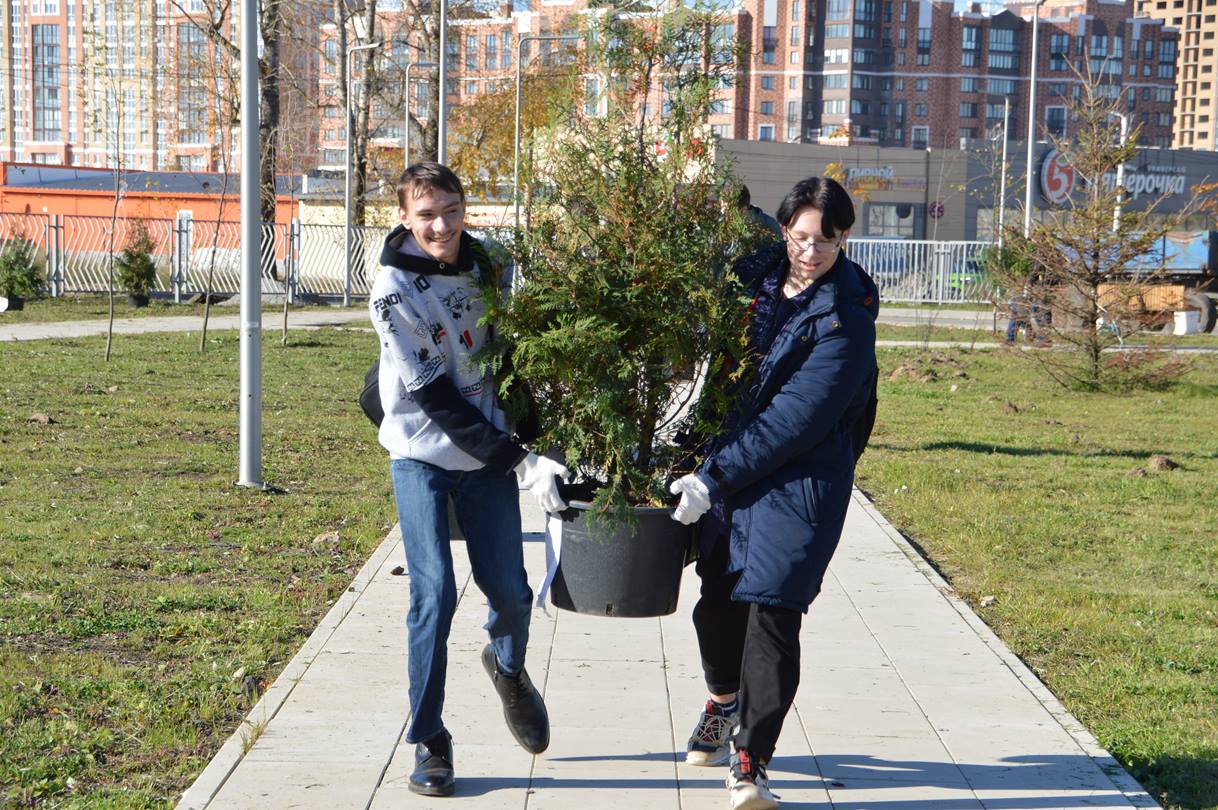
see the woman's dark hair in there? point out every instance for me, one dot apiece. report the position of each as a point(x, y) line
point(424, 175)
point(825, 195)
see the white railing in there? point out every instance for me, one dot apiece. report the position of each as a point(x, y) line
point(916, 271)
point(307, 260)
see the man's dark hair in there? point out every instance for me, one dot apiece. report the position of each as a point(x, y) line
point(825, 195)
point(743, 198)
point(428, 174)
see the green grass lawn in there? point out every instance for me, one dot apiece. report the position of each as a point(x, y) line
point(97, 307)
point(934, 332)
point(1105, 578)
point(139, 587)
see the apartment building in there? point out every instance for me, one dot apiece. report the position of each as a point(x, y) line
point(922, 74)
point(98, 82)
point(913, 73)
point(1196, 112)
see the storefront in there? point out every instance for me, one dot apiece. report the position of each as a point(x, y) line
point(944, 194)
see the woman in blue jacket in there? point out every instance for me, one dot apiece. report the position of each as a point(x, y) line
point(773, 490)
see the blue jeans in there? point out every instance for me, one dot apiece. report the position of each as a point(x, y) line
point(487, 504)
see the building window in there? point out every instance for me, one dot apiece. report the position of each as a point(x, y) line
point(767, 82)
point(921, 110)
point(921, 85)
point(192, 93)
point(894, 219)
point(769, 45)
point(1000, 87)
point(1055, 121)
point(969, 84)
point(471, 52)
point(924, 39)
point(765, 132)
point(969, 46)
point(994, 112)
point(838, 10)
point(968, 109)
point(1002, 49)
point(47, 123)
point(767, 108)
point(837, 31)
point(835, 81)
point(492, 51)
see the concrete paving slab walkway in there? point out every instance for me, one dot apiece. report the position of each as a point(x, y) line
point(314, 318)
point(306, 319)
point(907, 702)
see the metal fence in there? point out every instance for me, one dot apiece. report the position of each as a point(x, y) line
point(910, 271)
point(307, 260)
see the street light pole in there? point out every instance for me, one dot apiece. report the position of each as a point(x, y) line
point(347, 194)
point(1120, 173)
point(1002, 184)
point(520, 40)
point(406, 111)
point(250, 440)
point(442, 107)
point(1027, 197)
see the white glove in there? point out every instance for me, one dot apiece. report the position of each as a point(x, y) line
point(536, 474)
point(695, 498)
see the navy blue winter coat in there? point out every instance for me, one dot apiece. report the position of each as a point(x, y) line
point(785, 470)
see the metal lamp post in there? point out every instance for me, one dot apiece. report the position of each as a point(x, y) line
point(1120, 173)
point(406, 111)
point(442, 106)
point(520, 40)
point(1027, 199)
point(250, 437)
point(1002, 184)
point(347, 172)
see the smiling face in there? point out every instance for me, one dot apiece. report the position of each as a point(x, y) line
point(436, 218)
point(812, 254)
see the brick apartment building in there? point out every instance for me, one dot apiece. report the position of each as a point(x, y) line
point(922, 74)
point(82, 81)
point(883, 72)
point(1196, 113)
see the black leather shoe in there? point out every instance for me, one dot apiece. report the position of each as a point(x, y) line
point(433, 766)
point(523, 708)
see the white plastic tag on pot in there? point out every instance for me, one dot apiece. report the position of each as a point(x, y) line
point(553, 553)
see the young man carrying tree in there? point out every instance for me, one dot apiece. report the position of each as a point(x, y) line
point(447, 436)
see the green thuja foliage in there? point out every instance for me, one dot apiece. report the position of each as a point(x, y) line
point(19, 273)
point(134, 270)
point(625, 301)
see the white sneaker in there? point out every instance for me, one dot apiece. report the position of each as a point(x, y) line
point(748, 787)
point(709, 744)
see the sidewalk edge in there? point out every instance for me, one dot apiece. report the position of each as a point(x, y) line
point(1116, 773)
point(208, 783)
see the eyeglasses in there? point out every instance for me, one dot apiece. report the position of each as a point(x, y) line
point(803, 245)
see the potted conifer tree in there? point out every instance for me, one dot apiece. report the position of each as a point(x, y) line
point(19, 274)
point(134, 269)
point(623, 302)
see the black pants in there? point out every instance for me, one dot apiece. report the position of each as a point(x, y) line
point(748, 648)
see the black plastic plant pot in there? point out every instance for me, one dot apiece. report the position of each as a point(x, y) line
point(137, 300)
point(11, 304)
point(632, 570)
